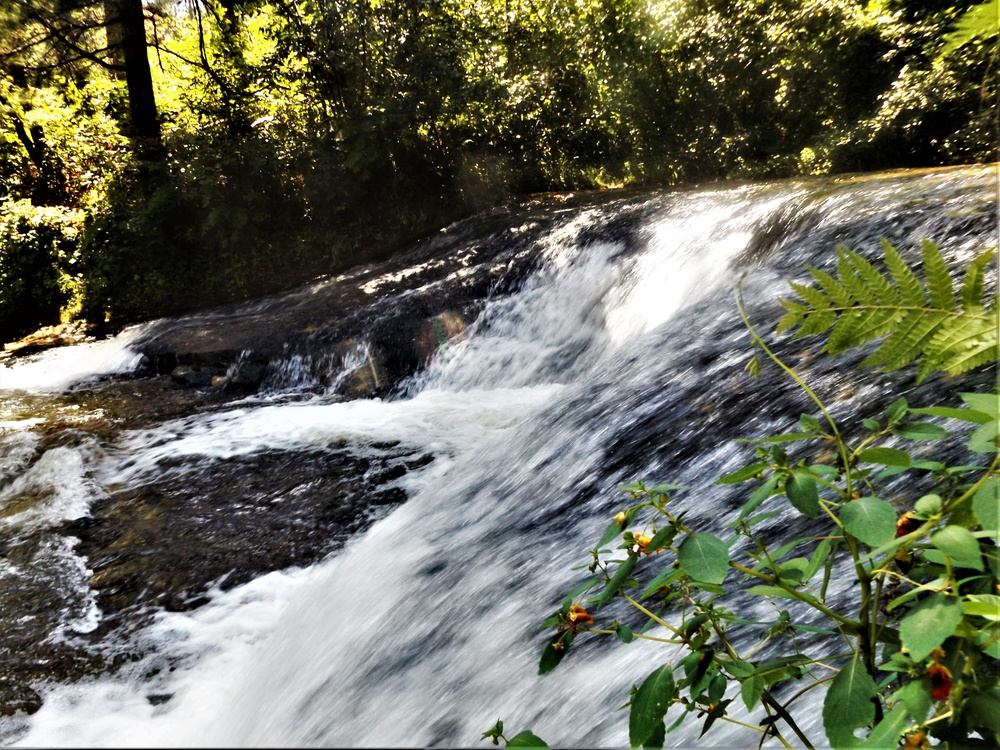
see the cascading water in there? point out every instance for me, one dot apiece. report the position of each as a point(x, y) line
point(606, 349)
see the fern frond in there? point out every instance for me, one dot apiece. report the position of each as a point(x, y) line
point(965, 343)
point(910, 290)
point(816, 323)
point(972, 286)
point(811, 294)
point(919, 319)
point(885, 293)
point(908, 340)
point(939, 284)
point(859, 326)
point(835, 290)
point(861, 292)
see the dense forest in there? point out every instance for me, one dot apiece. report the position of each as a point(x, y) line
point(168, 155)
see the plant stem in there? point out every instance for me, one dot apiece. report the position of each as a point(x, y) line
point(815, 604)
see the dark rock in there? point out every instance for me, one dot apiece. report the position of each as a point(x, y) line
point(187, 375)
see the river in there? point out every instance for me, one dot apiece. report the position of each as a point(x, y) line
point(337, 516)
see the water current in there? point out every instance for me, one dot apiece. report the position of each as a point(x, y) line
point(586, 344)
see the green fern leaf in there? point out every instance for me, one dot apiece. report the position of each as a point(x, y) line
point(924, 369)
point(936, 275)
point(817, 322)
point(811, 294)
point(876, 322)
point(834, 289)
point(787, 322)
point(963, 344)
point(908, 341)
point(796, 314)
point(910, 289)
point(856, 327)
point(972, 286)
point(861, 292)
point(885, 293)
point(916, 318)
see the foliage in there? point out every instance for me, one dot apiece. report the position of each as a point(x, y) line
point(356, 126)
point(37, 246)
point(948, 332)
point(911, 650)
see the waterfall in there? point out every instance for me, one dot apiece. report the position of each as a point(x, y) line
point(596, 357)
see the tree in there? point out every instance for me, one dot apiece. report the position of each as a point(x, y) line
point(42, 40)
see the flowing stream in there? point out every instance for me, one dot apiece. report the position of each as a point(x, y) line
point(566, 349)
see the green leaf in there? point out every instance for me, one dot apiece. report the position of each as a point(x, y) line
point(662, 538)
point(986, 403)
point(984, 440)
point(920, 431)
point(663, 578)
point(981, 711)
point(666, 489)
point(809, 423)
point(704, 557)
point(848, 704)
point(818, 558)
point(869, 519)
point(966, 415)
point(888, 731)
point(886, 457)
point(928, 505)
point(911, 290)
point(916, 696)
point(939, 283)
point(802, 492)
point(929, 624)
point(896, 410)
point(649, 705)
point(494, 732)
point(741, 475)
point(525, 739)
point(960, 545)
point(871, 424)
point(751, 690)
point(979, 20)
point(739, 669)
point(625, 634)
point(986, 504)
point(983, 605)
point(551, 656)
point(787, 437)
point(759, 495)
point(990, 636)
point(580, 588)
point(611, 533)
point(617, 580)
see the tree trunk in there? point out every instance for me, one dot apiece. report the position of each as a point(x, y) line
point(144, 127)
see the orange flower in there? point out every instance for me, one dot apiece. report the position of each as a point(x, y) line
point(642, 541)
point(577, 615)
point(940, 681)
point(916, 741)
point(907, 523)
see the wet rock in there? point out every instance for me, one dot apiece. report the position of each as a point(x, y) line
point(165, 542)
point(193, 376)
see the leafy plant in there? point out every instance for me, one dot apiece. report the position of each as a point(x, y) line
point(912, 650)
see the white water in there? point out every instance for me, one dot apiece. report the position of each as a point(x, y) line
point(56, 369)
point(424, 630)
